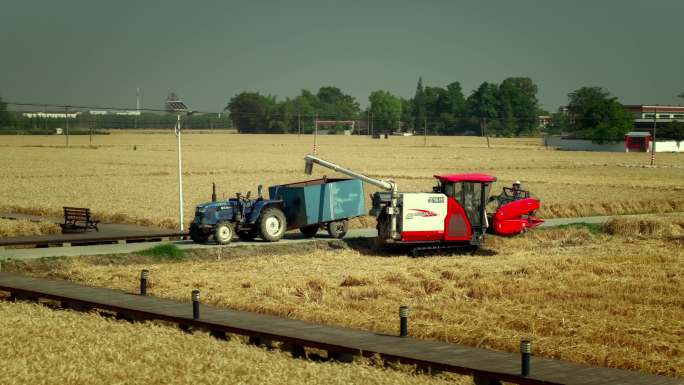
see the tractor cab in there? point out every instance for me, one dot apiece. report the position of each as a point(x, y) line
point(471, 192)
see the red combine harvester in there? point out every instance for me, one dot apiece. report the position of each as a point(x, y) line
point(453, 215)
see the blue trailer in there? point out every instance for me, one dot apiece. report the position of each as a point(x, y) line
point(320, 203)
point(307, 206)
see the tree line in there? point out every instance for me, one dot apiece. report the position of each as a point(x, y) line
point(505, 109)
point(509, 108)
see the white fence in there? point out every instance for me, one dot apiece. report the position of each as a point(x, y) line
point(588, 145)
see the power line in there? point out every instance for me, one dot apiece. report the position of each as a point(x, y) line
point(297, 116)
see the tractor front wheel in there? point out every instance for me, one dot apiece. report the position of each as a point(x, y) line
point(197, 235)
point(309, 231)
point(272, 224)
point(223, 233)
point(337, 229)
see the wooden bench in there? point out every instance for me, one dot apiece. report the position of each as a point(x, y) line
point(78, 218)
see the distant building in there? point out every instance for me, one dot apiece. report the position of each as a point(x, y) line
point(544, 121)
point(123, 113)
point(51, 115)
point(645, 116)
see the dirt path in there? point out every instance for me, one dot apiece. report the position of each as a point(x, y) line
point(290, 238)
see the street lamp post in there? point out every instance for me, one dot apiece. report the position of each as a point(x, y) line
point(179, 107)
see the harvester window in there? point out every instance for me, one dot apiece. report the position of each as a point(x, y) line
point(453, 190)
point(472, 202)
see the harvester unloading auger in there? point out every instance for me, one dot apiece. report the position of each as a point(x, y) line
point(453, 214)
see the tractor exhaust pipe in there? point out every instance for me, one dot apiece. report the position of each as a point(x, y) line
point(213, 192)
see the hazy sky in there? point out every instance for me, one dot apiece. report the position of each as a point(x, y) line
point(98, 52)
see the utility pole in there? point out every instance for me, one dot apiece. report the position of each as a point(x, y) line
point(653, 142)
point(425, 131)
point(368, 122)
point(299, 123)
point(137, 107)
point(180, 173)
point(372, 128)
point(484, 126)
point(66, 123)
point(315, 134)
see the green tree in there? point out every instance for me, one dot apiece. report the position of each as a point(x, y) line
point(418, 107)
point(597, 115)
point(251, 113)
point(333, 104)
point(672, 130)
point(518, 106)
point(406, 117)
point(386, 109)
point(560, 123)
point(435, 101)
point(681, 95)
point(455, 99)
point(483, 104)
point(5, 117)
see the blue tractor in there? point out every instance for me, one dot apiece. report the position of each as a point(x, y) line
point(247, 218)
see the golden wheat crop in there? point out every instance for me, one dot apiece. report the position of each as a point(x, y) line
point(609, 300)
point(65, 347)
point(24, 228)
point(132, 177)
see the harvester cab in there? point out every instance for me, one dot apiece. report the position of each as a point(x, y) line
point(467, 196)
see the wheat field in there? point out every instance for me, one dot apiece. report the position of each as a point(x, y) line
point(65, 347)
point(609, 298)
point(132, 177)
point(21, 228)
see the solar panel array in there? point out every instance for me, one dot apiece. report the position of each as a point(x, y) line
point(176, 105)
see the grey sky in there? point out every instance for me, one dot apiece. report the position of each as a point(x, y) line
point(98, 52)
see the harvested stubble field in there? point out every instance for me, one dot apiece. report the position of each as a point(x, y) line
point(132, 177)
point(21, 228)
point(65, 347)
point(611, 296)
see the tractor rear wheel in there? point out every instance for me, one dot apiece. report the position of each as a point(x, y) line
point(337, 229)
point(309, 231)
point(223, 233)
point(272, 224)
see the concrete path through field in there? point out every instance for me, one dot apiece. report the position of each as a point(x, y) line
point(289, 238)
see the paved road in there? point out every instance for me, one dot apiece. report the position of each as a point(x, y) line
point(289, 238)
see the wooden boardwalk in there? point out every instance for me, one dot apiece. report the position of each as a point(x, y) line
point(486, 366)
point(109, 233)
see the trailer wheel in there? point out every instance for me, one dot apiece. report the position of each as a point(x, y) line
point(309, 231)
point(272, 224)
point(337, 229)
point(223, 233)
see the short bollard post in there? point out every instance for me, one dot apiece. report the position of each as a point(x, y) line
point(144, 275)
point(195, 304)
point(403, 321)
point(526, 352)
